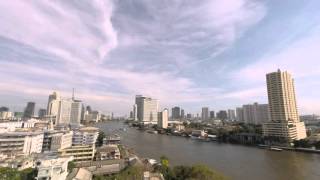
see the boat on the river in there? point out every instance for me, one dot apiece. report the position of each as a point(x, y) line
point(275, 149)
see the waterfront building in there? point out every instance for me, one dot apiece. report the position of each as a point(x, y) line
point(240, 115)
point(176, 113)
point(6, 115)
point(85, 136)
point(42, 113)
point(222, 115)
point(163, 118)
point(108, 152)
point(29, 110)
point(285, 124)
point(53, 168)
point(231, 115)
point(79, 153)
point(212, 115)
point(147, 110)
point(21, 142)
point(205, 113)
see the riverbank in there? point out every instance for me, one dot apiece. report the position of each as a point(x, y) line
point(234, 160)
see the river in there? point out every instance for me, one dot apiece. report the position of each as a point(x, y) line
point(235, 161)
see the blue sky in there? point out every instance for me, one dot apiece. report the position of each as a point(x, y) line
point(187, 53)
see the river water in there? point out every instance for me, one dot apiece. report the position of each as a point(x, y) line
point(235, 161)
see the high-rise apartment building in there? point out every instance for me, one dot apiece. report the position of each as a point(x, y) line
point(175, 112)
point(285, 123)
point(182, 113)
point(255, 113)
point(212, 115)
point(42, 113)
point(29, 110)
point(239, 111)
point(222, 115)
point(147, 110)
point(163, 118)
point(231, 115)
point(205, 113)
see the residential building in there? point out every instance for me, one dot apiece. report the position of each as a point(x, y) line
point(108, 152)
point(21, 142)
point(176, 113)
point(205, 113)
point(182, 115)
point(255, 113)
point(135, 117)
point(163, 118)
point(85, 136)
point(285, 124)
point(147, 110)
point(29, 110)
point(79, 153)
point(222, 115)
point(212, 115)
point(231, 115)
point(240, 115)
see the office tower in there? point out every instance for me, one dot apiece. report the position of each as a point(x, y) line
point(222, 115)
point(182, 113)
point(53, 104)
point(205, 113)
point(64, 114)
point(176, 112)
point(163, 118)
point(75, 116)
point(285, 124)
point(212, 115)
point(240, 116)
point(29, 110)
point(231, 115)
point(248, 115)
point(147, 110)
point(88, 108)
point(42, 113)
point(3, 108)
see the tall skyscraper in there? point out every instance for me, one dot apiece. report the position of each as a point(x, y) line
point(76, 109)
point(205, 113)
point(285, 123)
point(176, 113)
point(231, 115)
point(182, 113)
point(212, 115)
point(135, 118)
point(239, 111)
point(29, 110)
point(147, 110)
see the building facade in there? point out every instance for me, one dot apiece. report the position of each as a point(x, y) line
point(163, 118)
point(285, 123)
point(205, 113)
point(147, 110)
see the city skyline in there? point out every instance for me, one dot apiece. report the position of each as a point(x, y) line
point(129, 48)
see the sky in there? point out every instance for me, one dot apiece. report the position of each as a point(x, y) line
point(184, 53)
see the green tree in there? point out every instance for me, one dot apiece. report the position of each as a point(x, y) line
point(100, 138)
point(71, 165)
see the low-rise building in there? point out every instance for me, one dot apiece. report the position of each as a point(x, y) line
point(80, 153)
point(54, 140)
point(108, 152)
point(53, 168)
point(27, 142)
